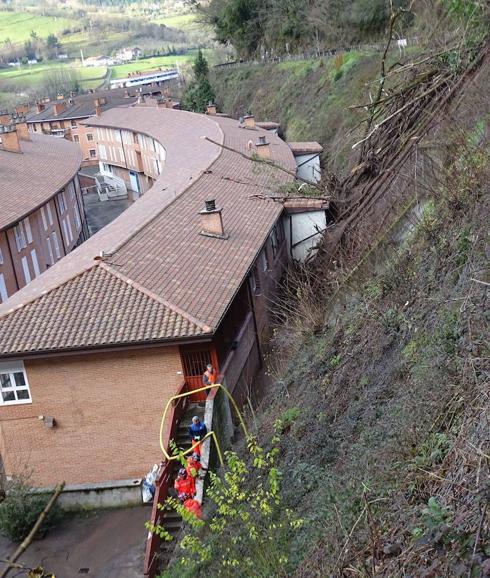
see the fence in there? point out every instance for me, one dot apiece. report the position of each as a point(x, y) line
point(163, 482)
point(311, 55)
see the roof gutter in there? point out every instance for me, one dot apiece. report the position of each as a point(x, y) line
point(117, 347)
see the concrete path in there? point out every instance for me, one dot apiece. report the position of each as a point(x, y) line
point(105, 544)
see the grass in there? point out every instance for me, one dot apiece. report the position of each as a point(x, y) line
point(179, 21)
point(17, 26)
point(122, 70)
point(32, 76)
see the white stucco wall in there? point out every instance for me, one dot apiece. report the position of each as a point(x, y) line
point(303, 231)
point(309, 167)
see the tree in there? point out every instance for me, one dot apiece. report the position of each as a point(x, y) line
point(199, 92)
point(52, 42)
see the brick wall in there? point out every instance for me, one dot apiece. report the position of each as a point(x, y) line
point(107, 408)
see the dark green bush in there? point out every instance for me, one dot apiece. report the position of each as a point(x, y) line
point(20, 510)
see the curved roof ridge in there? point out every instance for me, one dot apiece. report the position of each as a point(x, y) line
point(156, 297)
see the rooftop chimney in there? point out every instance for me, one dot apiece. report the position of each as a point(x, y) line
point(98, 111)
point(4, 117)
point(58, 108)
point(212, 221)
point(40, 106)
point(211, 108)
point(9, 139)
point(21, 126)
point(249, 121)
point(263, 148)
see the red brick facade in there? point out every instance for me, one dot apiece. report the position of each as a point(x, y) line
point(107, 408)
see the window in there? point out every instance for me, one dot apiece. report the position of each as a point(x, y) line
point(1, 257)
point(14, 386)
point(3, 289)
point(20, 239)
point(256, 286)
point(76, 138)
point(34, 126)
point(93, 153)
point(50, 214)
point(274, 241)
point(54, 238)
point(90, 137)
point(73, 123)
point(27, 228)
point(25, 267)
point(68, 226)
point(62, 202)
point(50, 252)
point(78, 223)
point(43, 217)
point(35, 263)
point(263, 260)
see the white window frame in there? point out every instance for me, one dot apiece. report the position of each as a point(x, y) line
point(54, 238)
point(1, 257)
point(50, 214)
point(43, 217)
point(76, 214)
point(62, 202)
point(68, 226)
point(25, 268)
point(28, 230)
point(11, 368)
point(50, 251)
point(35, 263)
point(3, 289)
point(263, 261)
point(20, 239)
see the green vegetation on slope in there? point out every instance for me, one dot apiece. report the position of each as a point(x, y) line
point(383, 411)
point(17, 26)
point(309, 97)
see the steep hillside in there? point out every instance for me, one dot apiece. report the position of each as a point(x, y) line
point(310, 98)
point(379, 414)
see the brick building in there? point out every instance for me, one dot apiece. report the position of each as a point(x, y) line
point(91, 351)
point(41, 217)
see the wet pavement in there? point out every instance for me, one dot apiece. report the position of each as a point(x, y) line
point(99, 213)
point(103, 544)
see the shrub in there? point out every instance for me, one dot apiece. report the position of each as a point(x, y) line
point(20, 510)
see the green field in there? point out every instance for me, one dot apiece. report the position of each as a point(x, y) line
point(32, 76)
point(122, 70)
point(17, 26)
point(179, 21)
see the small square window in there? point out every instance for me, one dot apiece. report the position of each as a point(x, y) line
point(92, 153)
point(90, 136)
point(14, 385)
point(76, 138)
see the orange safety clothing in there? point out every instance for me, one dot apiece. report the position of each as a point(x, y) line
point(196, 447)
point(193, 467)
point(185, 486)
point(210, 377)
point(194, 507)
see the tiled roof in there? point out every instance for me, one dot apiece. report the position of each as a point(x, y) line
point(156, 243)
point(30, 179)
point(304, 148)
point(82, 108)
point(96, 308)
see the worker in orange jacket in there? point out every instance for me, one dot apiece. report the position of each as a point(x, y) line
point(193, 506)
point(193, 465)
point(184, 485)
point(209, 377)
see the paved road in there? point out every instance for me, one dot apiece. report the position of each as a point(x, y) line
point(99, 214)
point(105, 544)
